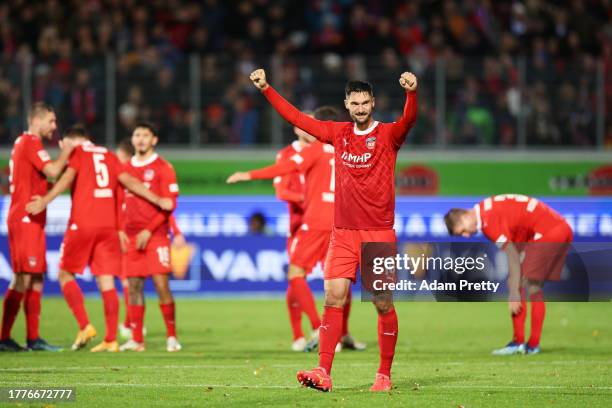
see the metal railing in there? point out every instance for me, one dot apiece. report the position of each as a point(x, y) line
point(208, 100)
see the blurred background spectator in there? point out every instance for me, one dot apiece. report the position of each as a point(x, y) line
point(499, 60)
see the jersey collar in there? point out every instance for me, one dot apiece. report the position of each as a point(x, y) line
point(364, 132)
point(137, 163)
point(478, 219)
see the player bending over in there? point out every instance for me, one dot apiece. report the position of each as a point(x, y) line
point(315, 163)
point(92, 238)
point(30, 166)
point(147, 228)
point(365, 153)
point(521, 226)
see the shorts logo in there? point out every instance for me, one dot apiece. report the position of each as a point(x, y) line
point(32, 261)
point(149, 174)
point(371, 142)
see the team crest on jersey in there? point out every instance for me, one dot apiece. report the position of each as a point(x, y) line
point(371, 142)
point(149, 174)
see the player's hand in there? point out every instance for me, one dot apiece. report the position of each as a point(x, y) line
point(179, 241)
point(36, 206)
point(165, 203)
point(66, 144)
point(408, 81)
point(238, 176)
point(514, 307)
point(259, 79)
point(124, 241)
point(142, 239)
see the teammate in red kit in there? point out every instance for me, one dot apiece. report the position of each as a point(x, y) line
point(30, 166)
point(520, 226)
point(365, 156)
point(147, 228)
point(290, 188)
point(92, 235)
point(315, 163)
point(125, 151)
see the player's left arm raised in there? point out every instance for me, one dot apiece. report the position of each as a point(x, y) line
point(38, 203)
point(400, 129)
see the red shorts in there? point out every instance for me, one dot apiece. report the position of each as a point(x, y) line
point(154, 260)
point(545, 257)
point(344, 252)
point(96, 247)
point(309, 247)
point(27, 247)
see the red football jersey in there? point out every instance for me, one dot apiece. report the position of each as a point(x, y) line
point(94, 191)
point(516, 218)
point(365, 162)
point(290, 187)
point(159, 176)
point(316, 162)
point(27, 178)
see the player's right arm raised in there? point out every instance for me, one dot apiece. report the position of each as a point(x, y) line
point(53, 169)
point(322, 130)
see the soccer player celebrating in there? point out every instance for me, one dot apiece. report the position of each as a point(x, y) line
point(91, 237)
point(520, 226)
point(315, 163)
point(147, 227)
point(365, 153)
point(30, 166)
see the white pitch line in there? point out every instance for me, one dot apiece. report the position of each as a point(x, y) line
point(245, 386)
point(506, 361)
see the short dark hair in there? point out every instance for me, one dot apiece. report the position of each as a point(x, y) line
point(126, 146)
point(39, 108)
point(358, 86)
point(326, 113)
point(452, 218)
point(76, 131)
point(147, 125)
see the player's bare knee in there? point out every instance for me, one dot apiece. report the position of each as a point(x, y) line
point(36, 283)
point(383, 301)
point(64, 277)
point(295, 272)
point(20, 282)
point(534, 286)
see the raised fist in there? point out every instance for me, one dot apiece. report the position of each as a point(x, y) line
point(408, 81)
point(259, 79)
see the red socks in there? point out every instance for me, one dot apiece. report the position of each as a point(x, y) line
point(10, 308)
point(387, 338)
point(538, 311)
point(347, 312)
point(111, 313)
point(295, 313)
point(518, 321)
point(329, 335)
point(136, 321)
point(303, 295)
point(126, 300)
point(169, 318)
point(32, 312)
point(74, 298)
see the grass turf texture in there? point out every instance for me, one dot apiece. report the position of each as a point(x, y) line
point(236, 352)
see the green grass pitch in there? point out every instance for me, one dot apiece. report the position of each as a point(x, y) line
point(236, 353)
